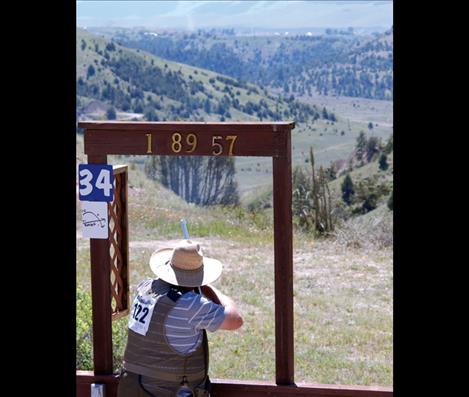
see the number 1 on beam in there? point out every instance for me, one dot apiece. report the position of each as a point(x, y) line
point(149, 143)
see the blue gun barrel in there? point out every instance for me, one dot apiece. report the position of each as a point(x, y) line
point(184, 229)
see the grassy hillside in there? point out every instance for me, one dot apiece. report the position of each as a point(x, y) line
point(330, 64)
point(331, 141)
point(139, 85)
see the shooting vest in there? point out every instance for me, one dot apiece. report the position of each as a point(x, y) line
point(153, 356)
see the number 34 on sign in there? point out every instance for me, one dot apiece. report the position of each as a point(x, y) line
point(95, 191)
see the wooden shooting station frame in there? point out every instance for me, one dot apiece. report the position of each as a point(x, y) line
point(110, 280)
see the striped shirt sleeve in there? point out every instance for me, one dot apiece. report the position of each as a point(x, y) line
point(205, 314)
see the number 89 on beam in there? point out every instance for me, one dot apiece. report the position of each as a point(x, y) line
point(96, 182)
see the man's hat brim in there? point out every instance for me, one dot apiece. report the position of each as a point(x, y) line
point(160, 264)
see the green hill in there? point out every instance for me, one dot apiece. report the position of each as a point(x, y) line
point(140, 85)
point(336, 63)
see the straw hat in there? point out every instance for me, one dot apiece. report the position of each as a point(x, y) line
point(185, 265)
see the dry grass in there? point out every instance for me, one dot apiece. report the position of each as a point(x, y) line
point(373, 230)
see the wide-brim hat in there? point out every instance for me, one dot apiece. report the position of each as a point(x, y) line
point(185, 265)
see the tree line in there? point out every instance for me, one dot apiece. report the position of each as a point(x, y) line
point(323, 64)
point(202, 180)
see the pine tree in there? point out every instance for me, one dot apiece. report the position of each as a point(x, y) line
point(372, 148)
point(348, 190)
point(389, 145)
point(383, 162)
point(90, 72)
point(111, 113)
point(370, 203)
point(325, 115)
point(360, 146)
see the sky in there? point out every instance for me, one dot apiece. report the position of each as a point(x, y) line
point(192, 15)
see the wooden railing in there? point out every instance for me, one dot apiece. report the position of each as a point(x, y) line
point(236, 388)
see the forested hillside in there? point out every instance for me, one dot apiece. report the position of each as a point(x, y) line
point(112, 79)
point(331, 64)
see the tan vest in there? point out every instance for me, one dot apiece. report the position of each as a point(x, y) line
point(152, 355)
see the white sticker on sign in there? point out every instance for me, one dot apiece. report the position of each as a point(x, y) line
point(94, 219)
point(142, 311)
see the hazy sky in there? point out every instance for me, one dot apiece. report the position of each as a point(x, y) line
point(261, 14)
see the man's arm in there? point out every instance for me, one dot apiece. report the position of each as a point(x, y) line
point(233, 319)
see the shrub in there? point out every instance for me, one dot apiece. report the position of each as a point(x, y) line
point(84, 334)
point(383, 162)
point(348, 190)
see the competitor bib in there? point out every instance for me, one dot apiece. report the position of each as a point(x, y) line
point(142, 311)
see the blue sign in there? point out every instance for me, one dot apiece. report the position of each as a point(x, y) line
point(96, 182)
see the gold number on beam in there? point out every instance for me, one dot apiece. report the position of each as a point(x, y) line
point(176, 145)
point(191, 140)
point(219, 147)
point(232, 139)
point(149, 143)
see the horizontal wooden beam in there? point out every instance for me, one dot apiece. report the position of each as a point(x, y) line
point(187, 139)
point(233, 388)
point(183, 125)
point(236, 388)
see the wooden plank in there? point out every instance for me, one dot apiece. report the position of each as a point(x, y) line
point(189, 142)
point(283, 263)
point(125, 274)
point(101, 297)
point(184, 125)
point(234, 388)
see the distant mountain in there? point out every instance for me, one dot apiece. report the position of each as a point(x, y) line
point(336, 63)
point(253, 14)
point(135, 84)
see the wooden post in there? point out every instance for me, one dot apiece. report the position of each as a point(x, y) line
point(125, 236)
point(283, 251)
point(101, 297)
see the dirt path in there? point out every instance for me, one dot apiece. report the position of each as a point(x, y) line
point(208, 243)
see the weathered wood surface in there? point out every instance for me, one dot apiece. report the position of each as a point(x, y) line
point(157, 138)
point(101, 297)
point(283, 267)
